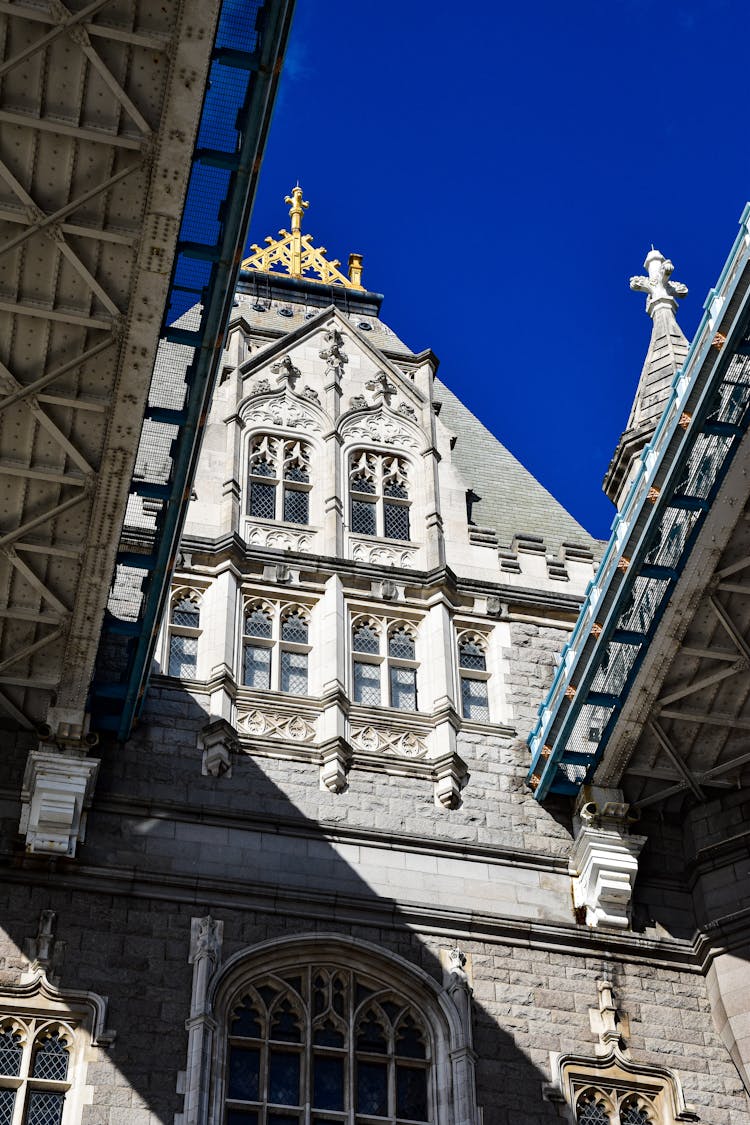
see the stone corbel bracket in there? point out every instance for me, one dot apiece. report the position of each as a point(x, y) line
point(450, 775)
point(604, 859)
point(219, 741)
point(56, 791)
point(335, 762)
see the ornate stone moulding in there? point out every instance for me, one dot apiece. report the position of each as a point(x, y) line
point(374, 551)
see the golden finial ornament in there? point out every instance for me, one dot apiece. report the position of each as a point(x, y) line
point(294, 254)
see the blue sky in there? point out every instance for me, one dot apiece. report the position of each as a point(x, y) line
point(504, 168)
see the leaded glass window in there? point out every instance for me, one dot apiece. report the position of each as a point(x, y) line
point(384, 665)
point(183, 635)
point(593, 1110)
point(611, 1104)
point(322, 1045)
point(285, 632)
point(379, 495)
point(279, 464)
point(472, 662)
point(34, 1073)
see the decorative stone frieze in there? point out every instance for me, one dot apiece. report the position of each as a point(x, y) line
point(404, 744)
point(271, 724)
point(56, 791)
point(604, 859)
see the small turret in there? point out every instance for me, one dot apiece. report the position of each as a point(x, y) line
point(666, 354)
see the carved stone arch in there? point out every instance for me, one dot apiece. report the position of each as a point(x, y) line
point(39, 996)
point(191, 593)
point(282, 411)
point(616, 1078)
point(381, 429)
point(470, 634)
point(452, 1055)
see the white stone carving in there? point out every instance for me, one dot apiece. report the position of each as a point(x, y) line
point(658, 285)
point(285, 410)
point(206, 935)
point(382, 427)
point(604, 858)
point(364, 550)
point(451, 775)
point(402, 744)
point(269, 724)
point(56, 791)
point(335, 763)
point(279, 537)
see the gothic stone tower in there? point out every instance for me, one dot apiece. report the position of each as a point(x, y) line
point(314, 887)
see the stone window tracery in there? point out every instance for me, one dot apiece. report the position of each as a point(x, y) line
point(384, 664)
point(473, 674)
point(34, 1070)
point(379, 495)
point(279, 479)
point(612, 1106)
point(183, 634)
point(322, 1045)
point(275, 648)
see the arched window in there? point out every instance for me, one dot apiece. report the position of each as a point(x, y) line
point(593, 1108)
point(384, 671)
point(472, 663)
point(34, 1065)
point(379, 495)
point(279, 479)
point(284, 630)
point(320, 1044)
point(184, 631)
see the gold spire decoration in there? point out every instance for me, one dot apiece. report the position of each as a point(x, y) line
point(293, 253)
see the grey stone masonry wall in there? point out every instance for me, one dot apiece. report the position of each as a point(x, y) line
point(528, 1001)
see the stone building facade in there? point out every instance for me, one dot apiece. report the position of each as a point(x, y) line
point(314, 887)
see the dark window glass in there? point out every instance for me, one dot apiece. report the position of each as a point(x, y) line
point(396, 489)
point(283, 1119)
point(257, 667)
point(474, 699)
point(396, 521)
point(262, 468)
point(296, 506)
point(258, 624)
point(371, 1037)
point(7, 1101)
point(328, 1082)
point(372, 1088)
point(410, 1041)
point(328, 1036)
point(245, 1020)
point(633, 1114)
point(366, 683)
point(592, 1111)
point(242, 1117)
point(185, 612)
point(294, 672)
point(263, 501)
point(243, 1073)
point(363, 517)
point(44, 1108)
point(183, 656)
point(471, 656)
point(297, 473)
point(363, 484)
point(366, 639)
point(285, 1024)
point(294, 628)
point(11, 1052)
point(401, 645)
point(51, 1059)
point(411, 1093)
point(404, 688)
point(283, 1077)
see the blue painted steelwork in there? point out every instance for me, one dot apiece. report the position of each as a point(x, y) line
point(243, 76)
point(679, 476)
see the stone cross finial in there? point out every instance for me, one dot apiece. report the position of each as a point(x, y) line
point(661, 290)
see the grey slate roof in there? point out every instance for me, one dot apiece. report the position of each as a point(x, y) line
point(511, 500)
